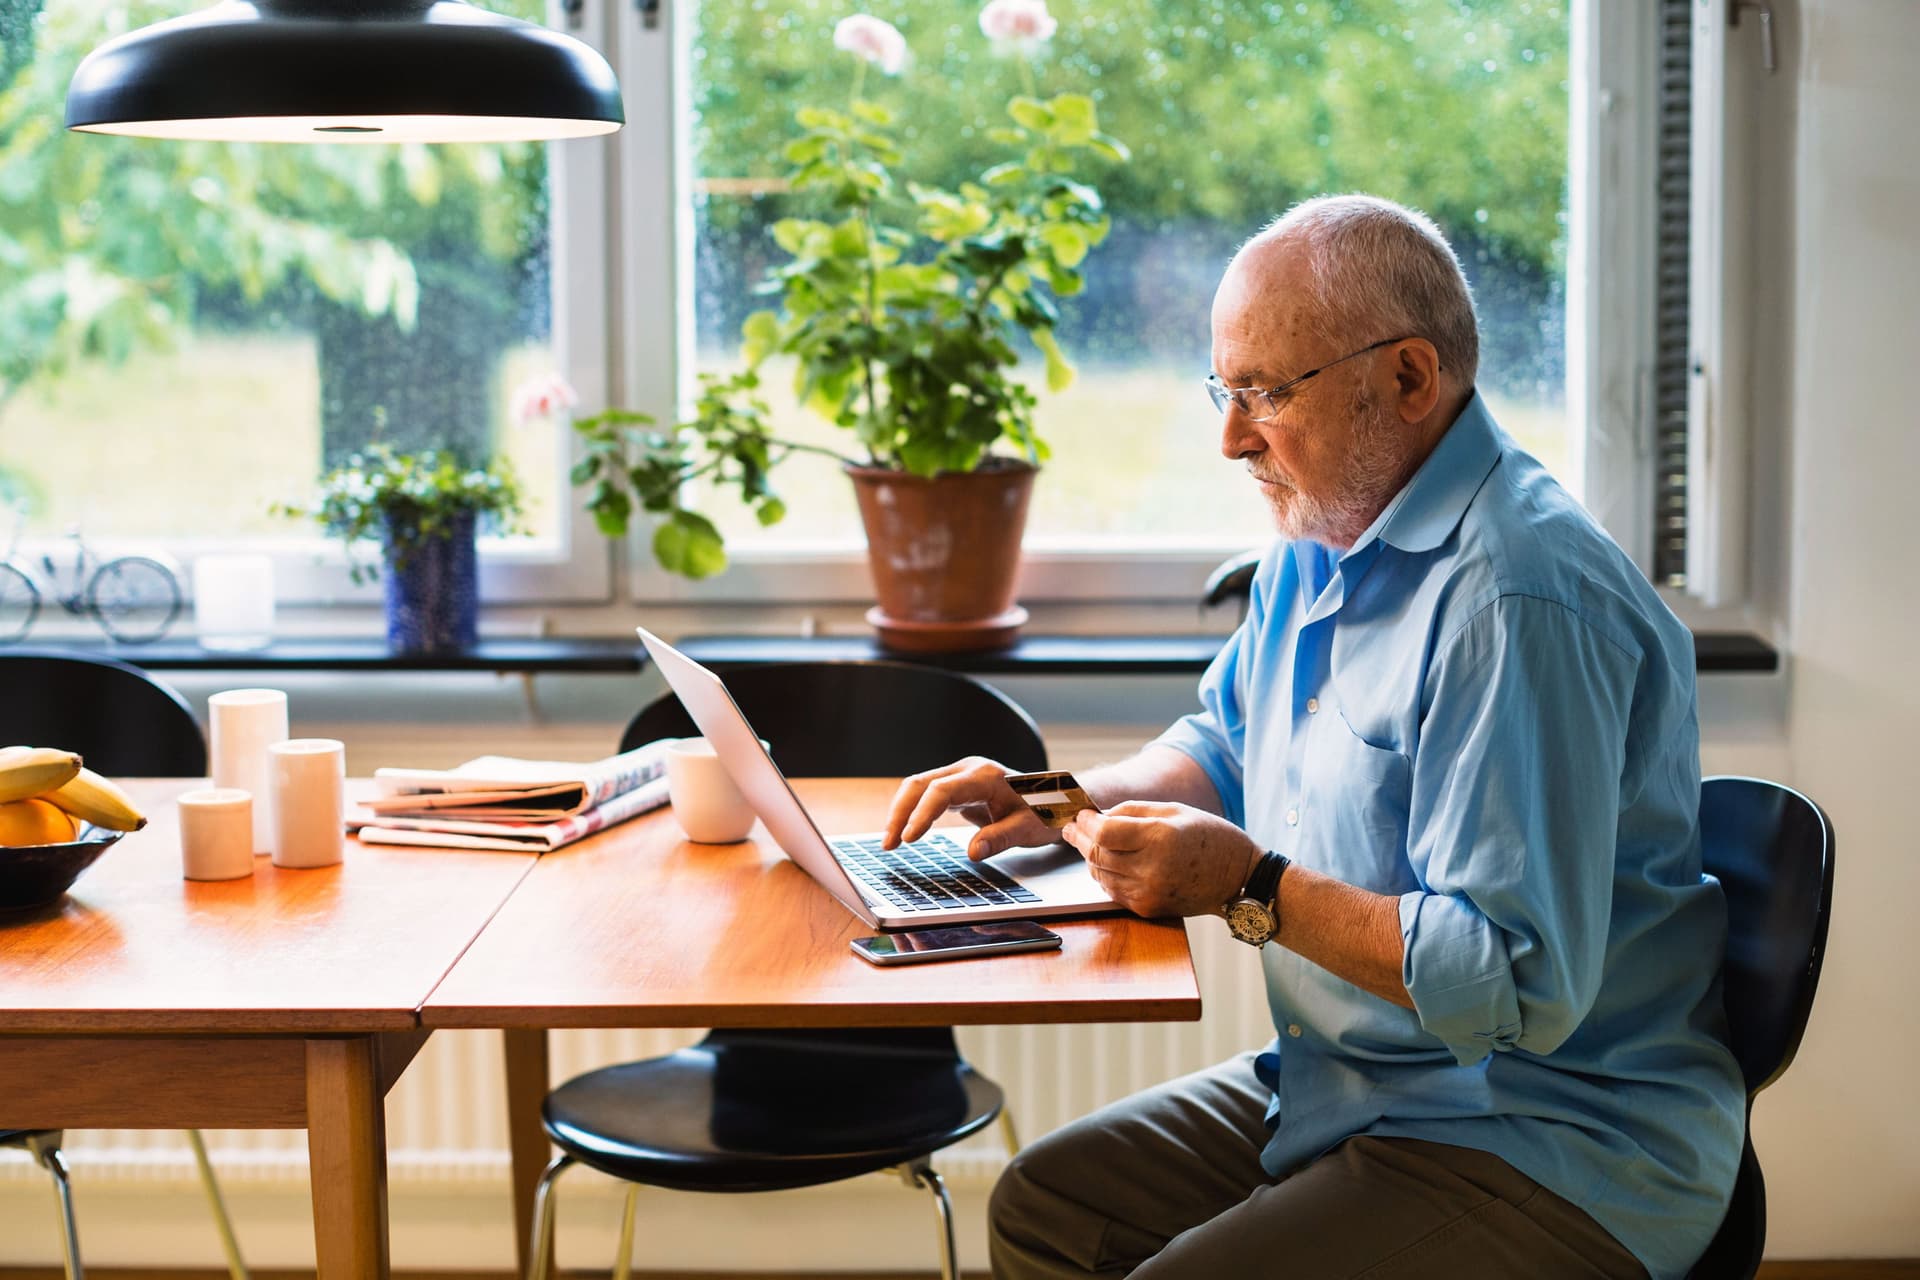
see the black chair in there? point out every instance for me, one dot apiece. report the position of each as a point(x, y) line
point(764, 1110)
point(121, 721)
point(1771, 848)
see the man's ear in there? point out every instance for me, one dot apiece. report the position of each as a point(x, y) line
point(1416, 376)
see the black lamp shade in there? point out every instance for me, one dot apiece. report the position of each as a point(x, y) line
point(345, 71)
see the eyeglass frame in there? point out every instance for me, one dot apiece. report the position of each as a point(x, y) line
point(1222, 395)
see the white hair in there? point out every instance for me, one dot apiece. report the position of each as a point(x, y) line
point(1381, 270)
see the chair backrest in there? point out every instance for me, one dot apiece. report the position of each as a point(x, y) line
point(121, 720)
point(862, 719)
point(1771, 848)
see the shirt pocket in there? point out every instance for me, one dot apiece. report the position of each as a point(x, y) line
point(1354, 808)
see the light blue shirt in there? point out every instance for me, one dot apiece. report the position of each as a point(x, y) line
point(1484, 709)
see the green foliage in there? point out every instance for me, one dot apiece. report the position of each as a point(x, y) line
point(900, 303)
point(409, 499)
point(111, 243)
point(1233, 109)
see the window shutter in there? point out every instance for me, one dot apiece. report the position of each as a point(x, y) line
point(1672, 264)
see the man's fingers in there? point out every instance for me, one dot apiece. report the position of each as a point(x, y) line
point(969, 781)
point(907, 798)
point(1116, 831)
point(995, 837)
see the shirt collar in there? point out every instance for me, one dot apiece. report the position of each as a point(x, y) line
point(1429, 506)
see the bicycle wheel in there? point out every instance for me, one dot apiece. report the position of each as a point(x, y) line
point(134, 599)
point(19, 603)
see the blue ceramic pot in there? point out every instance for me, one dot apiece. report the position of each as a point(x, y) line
point(433, 589)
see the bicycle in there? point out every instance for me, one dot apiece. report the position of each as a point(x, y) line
point(134, 599)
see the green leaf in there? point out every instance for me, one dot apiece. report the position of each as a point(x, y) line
point(687, 543)
point(822, 119)
point(1007, 137)
point(771, 511)
point(760, 336)
point(873, 113)
point(805, 150)
point(1068, 242)
point(585, 469)
point(1073, 119)
point(1059, 372)
point(1031, 112)
point(1002, 174)
point(1112, 148)
point(792, 234)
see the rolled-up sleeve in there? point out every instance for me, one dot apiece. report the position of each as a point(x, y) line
point(1514, 825)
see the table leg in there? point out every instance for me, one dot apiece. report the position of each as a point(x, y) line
point(347, 1149)
point(526, 1090)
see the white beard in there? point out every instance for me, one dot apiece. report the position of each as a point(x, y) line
point(1375, 470)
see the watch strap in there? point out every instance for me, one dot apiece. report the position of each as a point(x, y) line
point(1264, 881)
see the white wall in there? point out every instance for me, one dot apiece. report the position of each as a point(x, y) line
point(1839, 1136)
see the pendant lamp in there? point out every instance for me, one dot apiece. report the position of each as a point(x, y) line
point(345, 71)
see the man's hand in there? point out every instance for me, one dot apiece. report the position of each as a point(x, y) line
point(975, 787)
point(1164, 859)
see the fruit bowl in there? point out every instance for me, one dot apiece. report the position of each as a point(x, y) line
point(35, 874)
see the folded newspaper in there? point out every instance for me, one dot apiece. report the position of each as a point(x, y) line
point(500, 802)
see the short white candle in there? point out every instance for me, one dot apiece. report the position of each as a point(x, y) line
point(309, 802)
point(216, 834)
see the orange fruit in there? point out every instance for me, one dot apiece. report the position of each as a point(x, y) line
point(24, 822)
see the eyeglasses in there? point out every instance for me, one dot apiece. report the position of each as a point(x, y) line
point(1262, 403)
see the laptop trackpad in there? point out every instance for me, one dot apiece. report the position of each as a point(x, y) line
point(1056, 872)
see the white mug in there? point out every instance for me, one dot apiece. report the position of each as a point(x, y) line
point(706, 803)
point(309, 802)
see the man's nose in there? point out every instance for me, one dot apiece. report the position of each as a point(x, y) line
point(1237, 436)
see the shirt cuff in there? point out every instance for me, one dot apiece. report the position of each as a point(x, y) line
point(1456, 970)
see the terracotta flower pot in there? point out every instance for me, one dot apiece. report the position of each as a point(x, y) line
point(945, 554)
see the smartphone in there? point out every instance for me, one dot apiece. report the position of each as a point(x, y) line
point(915, 946)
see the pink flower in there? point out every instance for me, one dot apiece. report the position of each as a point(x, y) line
point(874, 39)
point(542, 397)
point(1017, 20)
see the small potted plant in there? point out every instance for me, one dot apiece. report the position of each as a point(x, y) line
point(425, 509)
point(903, 307)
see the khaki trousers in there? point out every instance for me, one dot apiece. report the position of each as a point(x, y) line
point(1167, 1184)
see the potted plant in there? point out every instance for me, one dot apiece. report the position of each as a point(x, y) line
point(425, 509)
point(902, 306)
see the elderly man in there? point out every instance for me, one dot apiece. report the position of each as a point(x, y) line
point(1445, 778)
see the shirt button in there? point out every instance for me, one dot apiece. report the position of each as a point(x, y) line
point(1313, 705)
point(1293, 1029)
point(1293, 817)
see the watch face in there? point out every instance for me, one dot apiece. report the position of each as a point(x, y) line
point(1249, 921)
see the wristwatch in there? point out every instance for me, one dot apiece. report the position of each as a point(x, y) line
point(1254, 915)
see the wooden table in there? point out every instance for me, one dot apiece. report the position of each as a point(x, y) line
point(637, 928)
point(296, 998)
point(289, 999)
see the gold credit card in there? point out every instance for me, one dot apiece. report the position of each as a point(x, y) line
point(1054, 797)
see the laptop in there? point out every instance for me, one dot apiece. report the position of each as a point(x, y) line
point(928, 882)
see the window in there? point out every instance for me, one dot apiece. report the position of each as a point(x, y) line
point(190, 332)
point(1233, 109)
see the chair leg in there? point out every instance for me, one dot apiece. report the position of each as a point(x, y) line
point(623, 1261)
point(236, 1268)
point(923, 1174)
point(540, 1248)
point(46, 1149)
point(1009, 1134)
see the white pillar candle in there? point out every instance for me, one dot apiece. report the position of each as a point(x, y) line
point(243, 724)
point(216, 834)
point(309, 802)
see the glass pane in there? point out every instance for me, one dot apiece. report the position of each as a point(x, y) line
point(190, 332)
point(1233, 110)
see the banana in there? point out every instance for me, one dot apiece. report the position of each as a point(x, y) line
point(26, 772)
point(91, 798)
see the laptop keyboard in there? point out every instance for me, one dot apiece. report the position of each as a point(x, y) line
point(933, 874)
